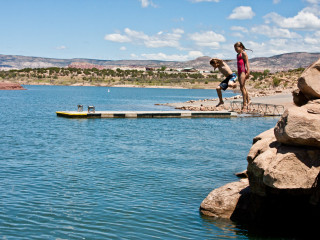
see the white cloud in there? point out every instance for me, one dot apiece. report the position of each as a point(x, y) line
point(242, 12)
point(279, 46)
point(314, 9)
point(178, 31)
point(147, 3)
point(164, 39)
point(207, 39)
point(279, 43)
point(123, 48)
point(304, 20)
point(61, 47)
point(140, 38)
point(239, 28)
point(134, 56)
point(274, 32)
point(276, 1)
point(195, 54)
point(134, 35)
point(313, 1)
point(175, 57)
point(238, 35)
point(196, 1)
point(116, 37)
point(313, 39)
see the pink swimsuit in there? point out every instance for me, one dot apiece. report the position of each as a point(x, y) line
point(241, 65)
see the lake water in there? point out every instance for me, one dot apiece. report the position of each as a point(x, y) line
point(115, 178)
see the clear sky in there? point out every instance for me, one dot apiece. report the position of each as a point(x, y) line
point(157, 29)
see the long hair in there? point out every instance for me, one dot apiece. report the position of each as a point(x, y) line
point(240, 44)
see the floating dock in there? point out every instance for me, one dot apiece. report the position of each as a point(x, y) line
point(147, 114)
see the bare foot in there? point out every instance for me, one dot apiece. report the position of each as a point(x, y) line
point(244, 108)
point(219, 104)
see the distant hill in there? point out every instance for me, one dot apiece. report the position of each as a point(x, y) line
point(285, 61)
point(275, 63)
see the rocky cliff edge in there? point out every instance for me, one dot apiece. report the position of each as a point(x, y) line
point(283, 185)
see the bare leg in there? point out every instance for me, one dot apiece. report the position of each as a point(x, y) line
point(248, 99)
point(243, 89)
point(220, 96)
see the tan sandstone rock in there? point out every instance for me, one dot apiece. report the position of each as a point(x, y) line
point(283, 168)
point(292, 168)
point(259, 158)
point(300, 126)
point(222, 201)
point(264, 135)
point(309, 82)
point(299, 98)
point(277, 166)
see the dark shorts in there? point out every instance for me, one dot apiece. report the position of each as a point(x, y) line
point(224, 84)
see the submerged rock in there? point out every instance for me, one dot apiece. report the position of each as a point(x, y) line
point(223, 201)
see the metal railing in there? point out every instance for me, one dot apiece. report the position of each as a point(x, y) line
point(258, 108)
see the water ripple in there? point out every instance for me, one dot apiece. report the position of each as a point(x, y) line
point(114, 179)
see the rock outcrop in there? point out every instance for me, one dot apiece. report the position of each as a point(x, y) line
point(283, 168)
point(10, 86)
point(85, 65)
point(222, 201)
point(300, 126)
point(309, 82)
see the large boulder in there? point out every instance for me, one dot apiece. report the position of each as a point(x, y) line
point(284, 186)
point(223, 201)
point(273, 166)
point(300, 126)
point(257, 166)
point(292, 168)
point(309, 82)
point(283, 169)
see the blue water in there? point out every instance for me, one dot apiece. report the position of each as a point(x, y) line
point(115, 178)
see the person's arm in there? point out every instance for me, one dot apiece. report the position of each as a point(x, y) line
point(246, 61)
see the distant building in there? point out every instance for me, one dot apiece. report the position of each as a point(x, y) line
point(189, 70)
point(149, 69)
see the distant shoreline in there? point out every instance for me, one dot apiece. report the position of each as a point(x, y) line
point(211, 85)
point(271, 97)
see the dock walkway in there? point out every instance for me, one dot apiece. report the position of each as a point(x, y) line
point(147, 114)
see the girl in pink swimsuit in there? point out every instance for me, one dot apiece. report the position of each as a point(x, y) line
point(243, 72)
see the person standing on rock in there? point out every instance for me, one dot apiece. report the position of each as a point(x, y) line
point(230, 80)
point(243, 71)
